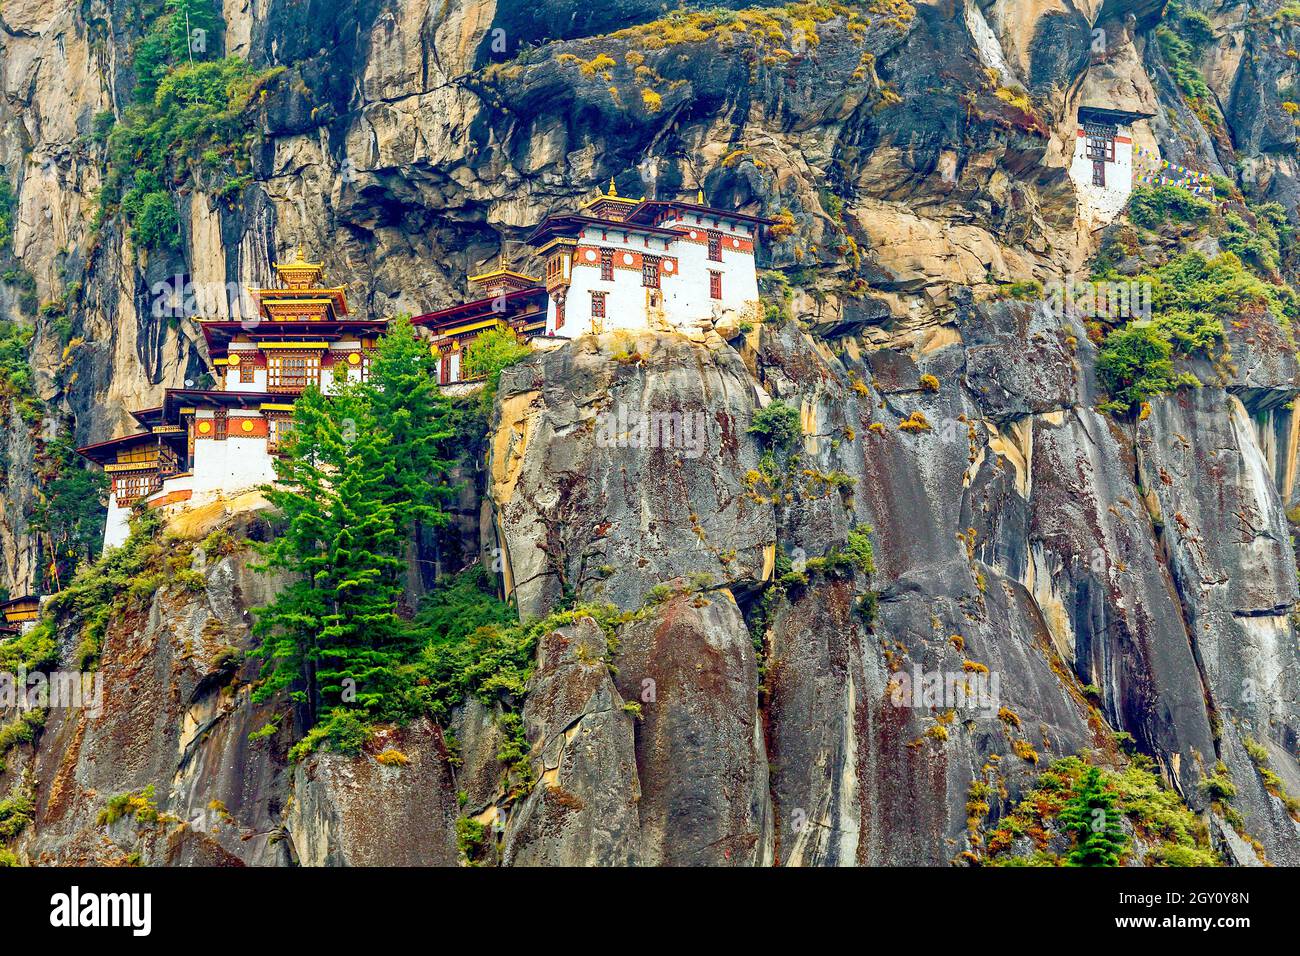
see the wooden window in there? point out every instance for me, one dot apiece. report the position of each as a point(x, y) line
point(598, 305)
point(292, 372)
point(559, 313)
point(1100, 142)
point(219, 424)
point(444, 367)
point(130, 488)
point(245, 372)
point(1098, 173)
point(277, 430)
point(715, 285)
point(715, 246)
point(607, 265)
point(650, 272)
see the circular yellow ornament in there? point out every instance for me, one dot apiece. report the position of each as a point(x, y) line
point(354, 358)
point(247, 425)
point(205, 427)
point(234, 359)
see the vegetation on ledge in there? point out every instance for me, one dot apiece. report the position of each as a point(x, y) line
point(1105, 815)
point(192, 121)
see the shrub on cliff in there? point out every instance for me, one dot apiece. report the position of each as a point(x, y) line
point(1134, 364)
point(1153, 206)
point(1092, 803)
point(488, 356)
point(779, 425)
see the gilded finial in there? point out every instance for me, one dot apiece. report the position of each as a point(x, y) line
point(613, 190)
point(699, 198)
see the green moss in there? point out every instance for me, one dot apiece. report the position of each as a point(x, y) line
point(122, 580)
point(21, 730)
point(1219, 786)
point(138, 804)
point(1258, 754)
point(1023, 291)
point(343, 730)
point(17, 810)
point(471, 837)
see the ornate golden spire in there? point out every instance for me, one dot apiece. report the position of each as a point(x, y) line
point(699, 198)
point(298, 274)
point(613, 190)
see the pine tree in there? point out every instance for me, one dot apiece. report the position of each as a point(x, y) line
point(359, 468)
point(417, 417)
point(1090, 815)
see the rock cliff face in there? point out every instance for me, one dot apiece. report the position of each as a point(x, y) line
point(1121, 576)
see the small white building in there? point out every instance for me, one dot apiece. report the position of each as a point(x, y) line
point(646, 264)
point(1102, 166)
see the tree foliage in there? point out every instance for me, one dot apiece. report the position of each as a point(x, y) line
point(69, 509)
point(360, 468)
point(778, 424)
point(1134, 364)
point(1090, 815)
point(488, 356)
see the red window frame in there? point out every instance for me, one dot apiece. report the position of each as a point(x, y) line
point(598, 305)
point(607, 265)
point(650, 272)
point(715, 285)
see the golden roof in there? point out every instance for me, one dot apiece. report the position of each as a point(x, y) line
point(609, 197)
point(502, 270)
point(299, 274)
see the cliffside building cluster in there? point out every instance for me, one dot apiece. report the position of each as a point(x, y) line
point(615, 264)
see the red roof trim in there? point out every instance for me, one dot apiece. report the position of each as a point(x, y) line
point(649, 205)
point(556, 223)
point(113, 441)
point(469, 310)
